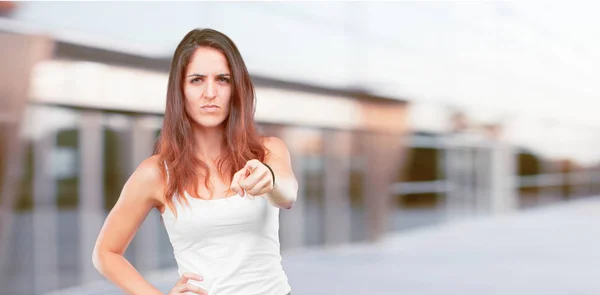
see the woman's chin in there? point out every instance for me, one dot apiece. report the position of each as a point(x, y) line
point(209, 124)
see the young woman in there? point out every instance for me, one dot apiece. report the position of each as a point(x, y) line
point(218, 184)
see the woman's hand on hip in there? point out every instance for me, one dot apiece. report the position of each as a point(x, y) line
point(183, 286)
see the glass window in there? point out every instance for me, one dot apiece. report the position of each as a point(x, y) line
point(117, 156)
point(356, 190)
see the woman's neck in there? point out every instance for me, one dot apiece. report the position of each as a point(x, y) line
point(208, 143)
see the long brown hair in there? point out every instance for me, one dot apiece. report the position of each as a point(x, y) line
point(176, 146)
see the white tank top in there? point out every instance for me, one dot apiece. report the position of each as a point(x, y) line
point(233, 243)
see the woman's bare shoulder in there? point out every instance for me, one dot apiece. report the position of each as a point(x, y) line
point(149, 170)
point(275, 145)
point(272, 141)
point(148, 179)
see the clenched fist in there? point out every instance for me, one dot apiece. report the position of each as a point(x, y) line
point(255, 179)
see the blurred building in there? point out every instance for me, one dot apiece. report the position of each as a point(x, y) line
point(88, 116)
point(373, 151)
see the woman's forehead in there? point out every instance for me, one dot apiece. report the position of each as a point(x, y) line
point(207, 61)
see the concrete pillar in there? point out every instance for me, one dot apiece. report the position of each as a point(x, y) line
point(384, 157)
point(338, 145)
point(45, 213)
point(91, 207)
point(292, 221)
point(483, 178)
point(457, 164)
point(469, 188)
point(146, 241)
point(19, 56)
point(500, 201)
point(504, 190)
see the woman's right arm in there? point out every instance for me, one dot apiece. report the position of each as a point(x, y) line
point(140, 194)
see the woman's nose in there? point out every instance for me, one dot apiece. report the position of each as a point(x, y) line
point(210, 91)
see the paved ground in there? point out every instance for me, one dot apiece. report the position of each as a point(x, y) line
point(552, 250)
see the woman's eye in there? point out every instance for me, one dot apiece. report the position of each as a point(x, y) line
point(224, 80)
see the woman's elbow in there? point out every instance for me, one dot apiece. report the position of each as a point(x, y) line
point(97, 259)
point(293, 195)
point(289, 203)
point(286, 202)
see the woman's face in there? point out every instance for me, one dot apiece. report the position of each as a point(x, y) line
point(207, 88)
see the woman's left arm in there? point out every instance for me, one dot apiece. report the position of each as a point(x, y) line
point(285, 191)
point(279, 187)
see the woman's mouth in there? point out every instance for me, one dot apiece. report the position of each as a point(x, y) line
point(210, 108)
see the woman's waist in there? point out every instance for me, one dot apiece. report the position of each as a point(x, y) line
point(265, 276)
point(241, 259)
point(231, 258)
